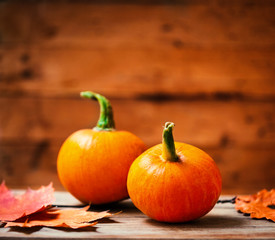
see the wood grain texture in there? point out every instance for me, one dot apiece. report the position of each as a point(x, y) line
point(244, 170)
point(205, 123)
point(138, 49)
point(139, 71)
point(223, 222)
point(206, 65)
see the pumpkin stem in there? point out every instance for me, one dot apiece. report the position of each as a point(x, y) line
point(106, 119)
point(168, 145)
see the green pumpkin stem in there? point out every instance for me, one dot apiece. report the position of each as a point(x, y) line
point(168, 145)
point(106, 119)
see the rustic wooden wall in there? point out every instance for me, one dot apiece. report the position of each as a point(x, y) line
point(206, 65)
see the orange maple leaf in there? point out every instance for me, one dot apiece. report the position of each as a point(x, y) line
point(257, 205)
point(70, 218)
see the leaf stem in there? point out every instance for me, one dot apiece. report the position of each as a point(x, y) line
point(227, 200)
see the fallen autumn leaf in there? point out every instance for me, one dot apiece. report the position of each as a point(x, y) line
point(70, 218)
point(257, 205)
point(14, 207)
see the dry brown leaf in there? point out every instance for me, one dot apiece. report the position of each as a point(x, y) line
point(69, 218)
point(14, 207)
point(258, 205)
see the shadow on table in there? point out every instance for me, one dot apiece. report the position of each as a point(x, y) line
point(125, 206)
point(26, 231)
point(31, 230)
point(204, 222)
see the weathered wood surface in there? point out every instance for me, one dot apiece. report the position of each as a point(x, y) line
point(192, 73)
point(223, 222)
point(239, 136)
point(205, 123)
point(243, 170)
point(185, 48)
point(206, 65)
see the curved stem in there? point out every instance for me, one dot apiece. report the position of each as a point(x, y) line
point(106, 119)
point(168, 145)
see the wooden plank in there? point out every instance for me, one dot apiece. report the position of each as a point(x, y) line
point(16, 22)
point(244, 170)
point(29, 165)
point(202, 123)
point(175, 49)
point(203, 23)
point(207, 66)
point(123, 72)
point(223, 222)
point(238, 135)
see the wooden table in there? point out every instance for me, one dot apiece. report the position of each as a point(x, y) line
point(223, 222)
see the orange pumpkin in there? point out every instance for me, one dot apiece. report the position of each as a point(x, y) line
point(174, 182)
point(93, 163)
